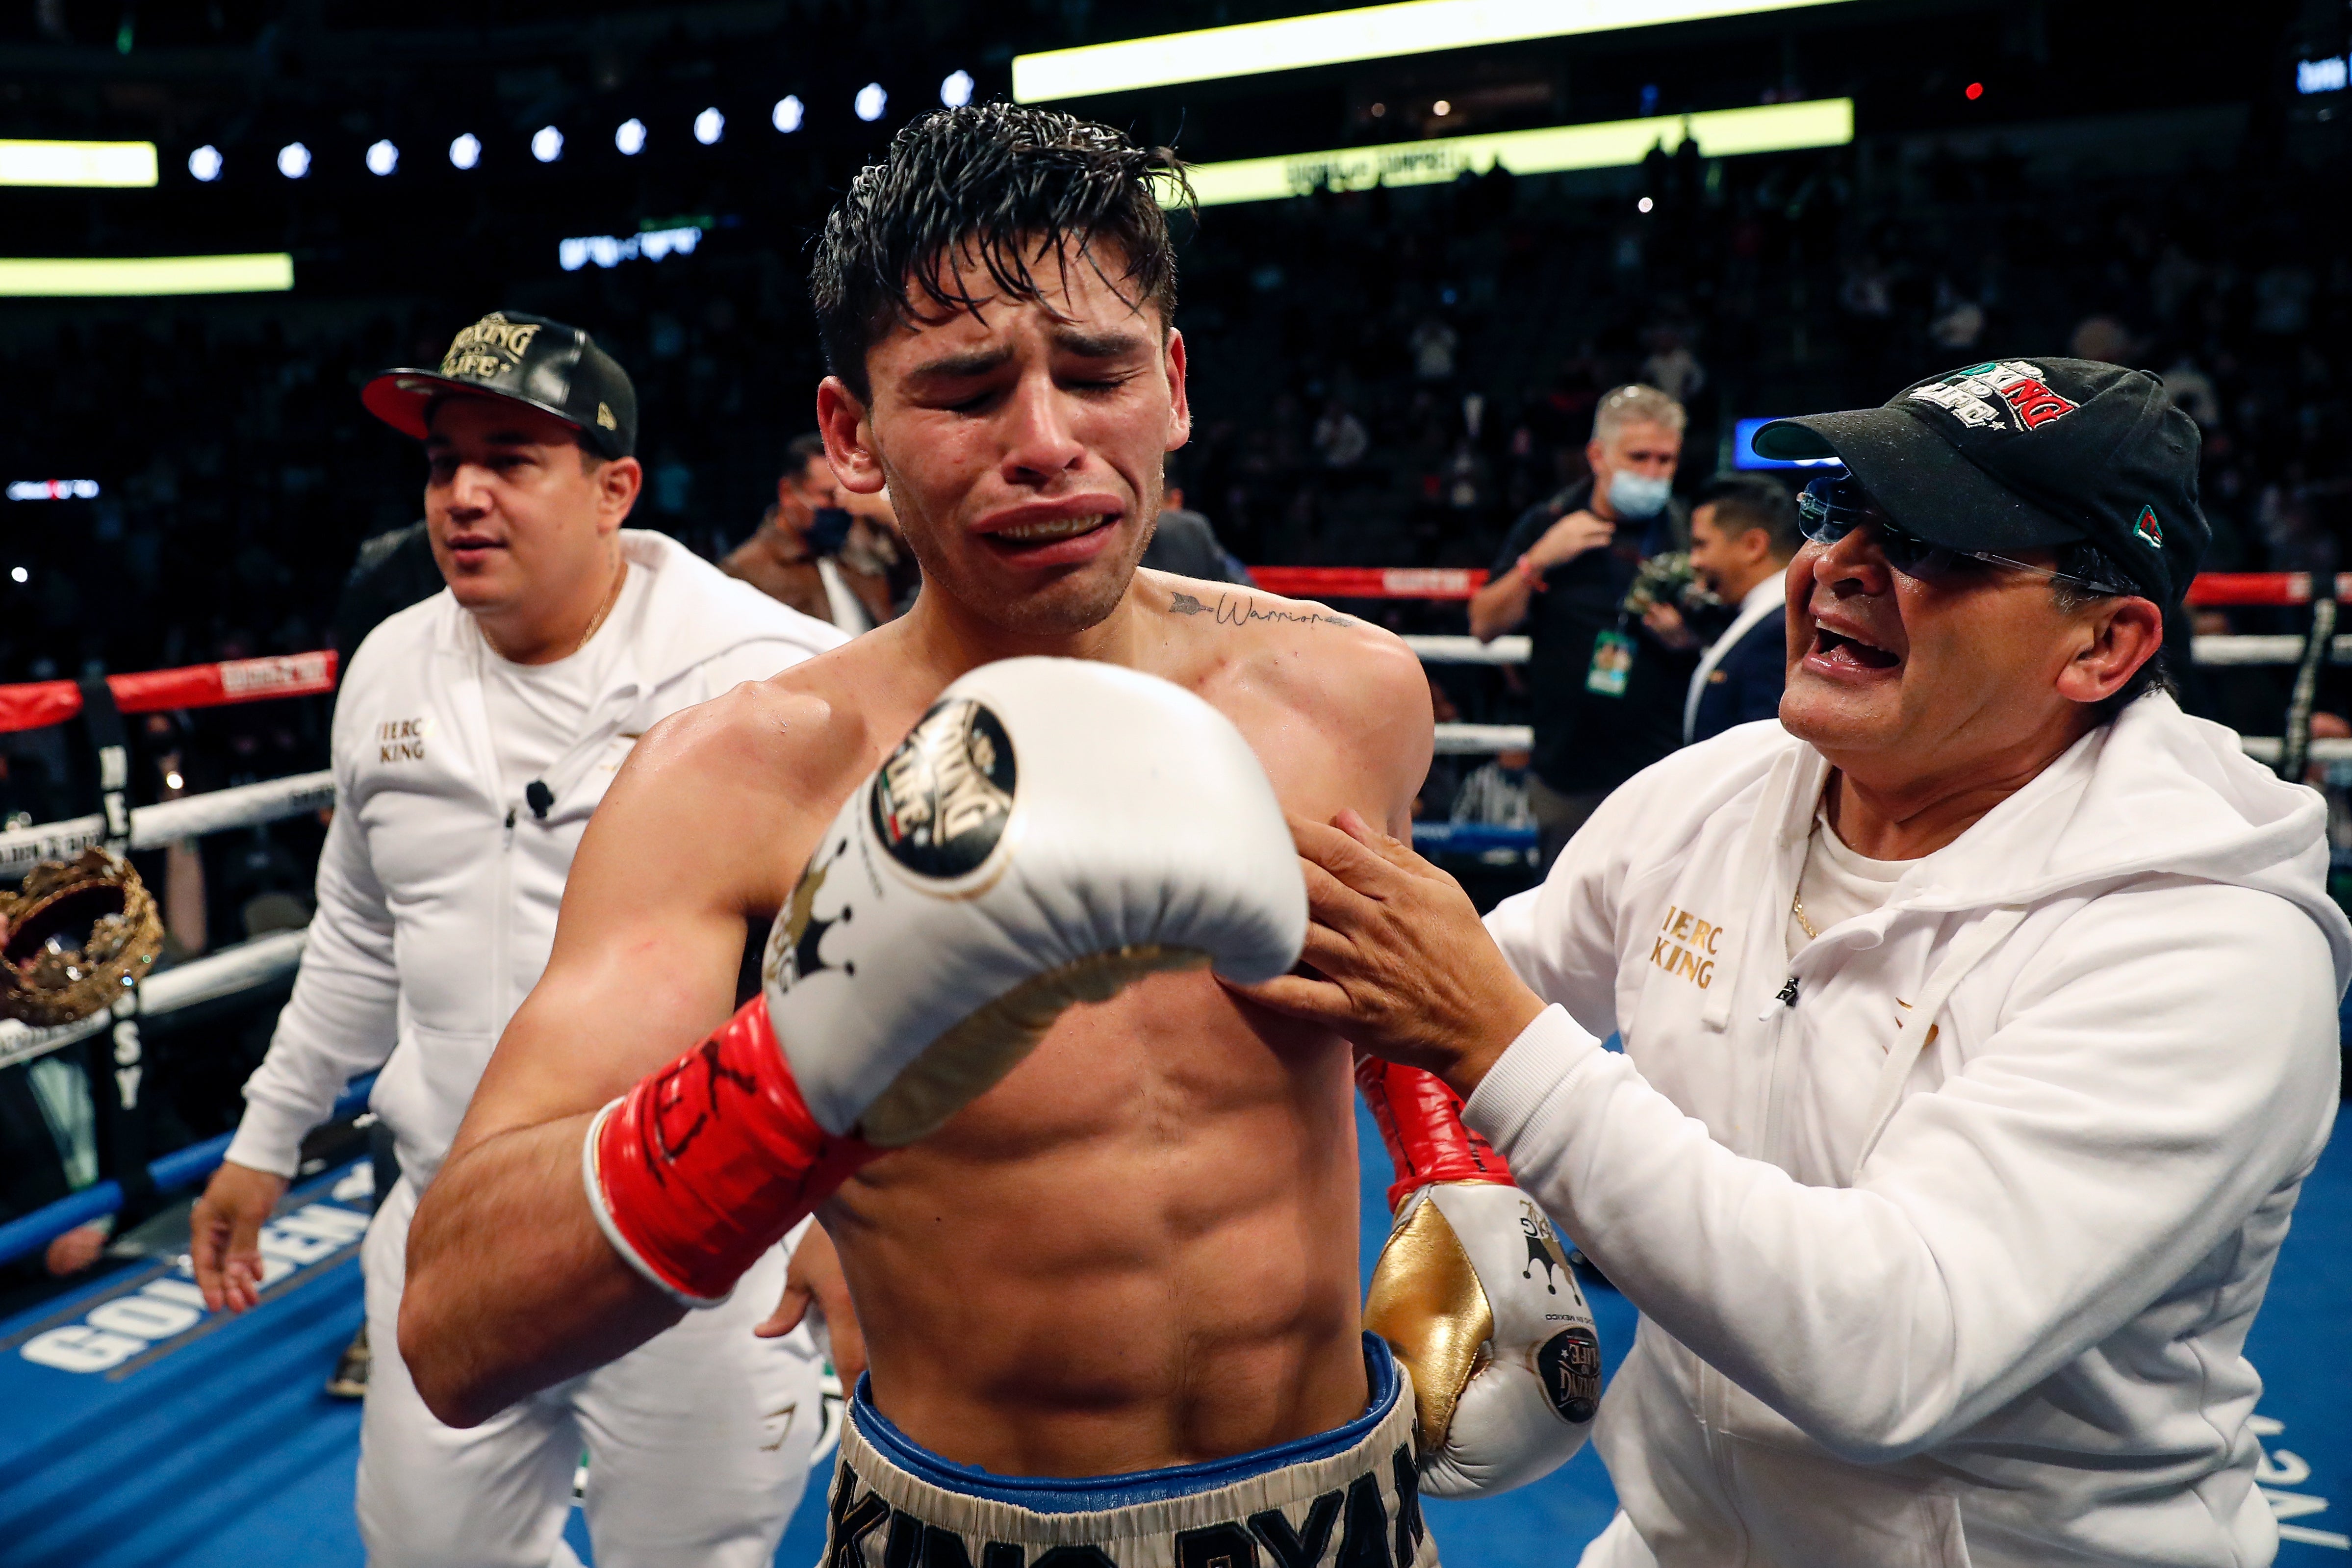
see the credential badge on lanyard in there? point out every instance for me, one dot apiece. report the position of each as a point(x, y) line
point(1612, 665)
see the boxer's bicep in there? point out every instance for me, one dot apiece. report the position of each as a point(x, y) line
point(706, 825)
point(618, 1010)
point(1392, 718)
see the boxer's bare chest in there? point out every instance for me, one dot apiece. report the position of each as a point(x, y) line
point(1154, 1214)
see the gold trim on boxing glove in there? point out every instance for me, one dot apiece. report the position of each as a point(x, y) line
point(1427, 1303)
point(971, 1057)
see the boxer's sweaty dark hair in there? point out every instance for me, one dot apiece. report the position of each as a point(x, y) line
point(1000, 184)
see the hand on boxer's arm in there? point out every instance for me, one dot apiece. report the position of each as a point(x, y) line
point(1397, 959)
point(816, 1291)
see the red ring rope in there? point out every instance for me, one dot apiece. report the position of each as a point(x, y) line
point(32, 704)
point(1460, 583)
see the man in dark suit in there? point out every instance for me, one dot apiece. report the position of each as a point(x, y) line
point(1743, 534)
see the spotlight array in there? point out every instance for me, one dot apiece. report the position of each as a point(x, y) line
point(788, 115)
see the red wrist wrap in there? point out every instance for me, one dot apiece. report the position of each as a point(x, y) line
point(706, 1164)
point(1421, 1123)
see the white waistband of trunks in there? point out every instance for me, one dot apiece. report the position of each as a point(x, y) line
point(1302, 1515)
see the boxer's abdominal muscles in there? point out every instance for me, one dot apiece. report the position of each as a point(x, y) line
point(1138, 1250)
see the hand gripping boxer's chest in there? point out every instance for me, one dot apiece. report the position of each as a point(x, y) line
point(1051, 831)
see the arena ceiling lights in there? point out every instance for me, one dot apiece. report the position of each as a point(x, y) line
point(120, 163)
point(1720, 133)
point(90, 277)
point(1338, 38)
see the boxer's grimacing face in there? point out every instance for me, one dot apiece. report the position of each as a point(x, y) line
point(1022, 443)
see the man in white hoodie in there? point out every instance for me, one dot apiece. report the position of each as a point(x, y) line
point(475, 733)
point(1980, 1025)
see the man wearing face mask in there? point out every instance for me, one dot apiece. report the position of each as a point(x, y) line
point(1607, 695)
point(794, 556)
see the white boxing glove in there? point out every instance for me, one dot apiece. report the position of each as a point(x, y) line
point(1476, 1295)
point(1051, 831)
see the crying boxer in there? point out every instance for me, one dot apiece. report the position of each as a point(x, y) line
point(1097, 1215)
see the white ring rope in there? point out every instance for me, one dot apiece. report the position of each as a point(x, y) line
point(1462, 740)
point(1469, 650)
point(1478, 740)
point(2262, 650)
point(2265, 749)
point(206, 979)
point(2208, 649)
point(234, 969)
point(169, 821)
point(245, 806)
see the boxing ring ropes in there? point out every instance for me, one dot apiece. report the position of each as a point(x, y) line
point(114, 1043)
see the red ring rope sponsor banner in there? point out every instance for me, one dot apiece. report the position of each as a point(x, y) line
point(32, 704)
point(1370, 582)
point(2259, 587)
point(1461, 582)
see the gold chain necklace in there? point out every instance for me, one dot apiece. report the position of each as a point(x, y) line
point(1797, 899)
point(611, 597)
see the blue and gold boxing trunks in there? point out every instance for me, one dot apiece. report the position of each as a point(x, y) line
point(1343, 1498)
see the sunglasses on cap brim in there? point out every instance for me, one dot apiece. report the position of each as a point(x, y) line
point(1834, 505)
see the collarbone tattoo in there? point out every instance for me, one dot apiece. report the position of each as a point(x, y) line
point(1238, 610)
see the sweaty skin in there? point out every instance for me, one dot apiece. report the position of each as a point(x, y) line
point(1140, 1249)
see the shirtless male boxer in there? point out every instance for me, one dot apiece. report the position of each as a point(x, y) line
point(1137, 1251)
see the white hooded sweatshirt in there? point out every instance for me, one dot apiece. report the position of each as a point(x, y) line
point(437, 896)
point(1947, 1231)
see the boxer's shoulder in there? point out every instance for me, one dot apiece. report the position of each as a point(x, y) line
point(1227, 619)
point(787, 743)
point(1335, 670)
point(782, 733)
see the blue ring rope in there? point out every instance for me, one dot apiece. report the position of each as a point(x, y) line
point(181, 1168)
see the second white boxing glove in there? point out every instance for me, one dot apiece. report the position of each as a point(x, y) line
point(1506, 1365)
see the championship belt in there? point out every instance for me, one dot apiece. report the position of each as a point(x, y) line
point(78, 934)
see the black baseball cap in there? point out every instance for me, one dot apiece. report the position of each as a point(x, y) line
point(2017, 454)
point(525, 359)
